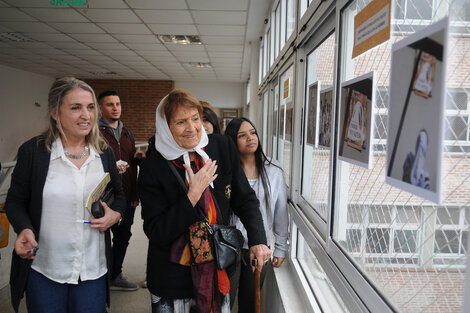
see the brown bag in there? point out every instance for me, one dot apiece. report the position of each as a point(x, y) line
point(5, 228)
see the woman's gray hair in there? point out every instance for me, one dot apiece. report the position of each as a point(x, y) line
point(59, 89)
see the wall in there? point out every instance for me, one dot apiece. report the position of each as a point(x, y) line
point(20, 119)
point(139, 100)
point(219, 95)
point(19, 90)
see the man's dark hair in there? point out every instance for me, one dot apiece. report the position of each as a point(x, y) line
point(105, 94)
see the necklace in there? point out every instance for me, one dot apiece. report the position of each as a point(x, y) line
point(76, 156)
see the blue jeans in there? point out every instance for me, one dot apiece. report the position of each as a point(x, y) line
point(46, 296)
point(121, 236)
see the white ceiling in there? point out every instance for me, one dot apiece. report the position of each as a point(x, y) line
point(120, 36)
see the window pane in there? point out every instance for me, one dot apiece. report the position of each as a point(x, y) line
point(418, 9)
point(377, 240)
point(464, 244)
point(278, 30)
point(380, 215)
point(447, 241)
point(381, 126)
point(408, 215)
point(415, 236)
point(460, 10)
point(353, 237)
point(275, 134)
point(286, 121)
point(283, 22)
point(303, 7)
point(327, 296)
point(316, 158)
point(448, 216)
point(290, 17)
point(405, 241)
point(456, 100)
point(456, 127)
point(381, 100)
point(355, 214)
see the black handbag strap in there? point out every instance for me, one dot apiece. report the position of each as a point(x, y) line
point(185, 188)
point(178, 176)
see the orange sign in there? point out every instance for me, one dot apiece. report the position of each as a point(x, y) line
point(371, 26)
point(286, 91)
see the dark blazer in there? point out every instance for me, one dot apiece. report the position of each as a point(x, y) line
point(167, 212)
point(24, 204)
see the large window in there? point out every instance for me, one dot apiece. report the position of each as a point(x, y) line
point(277, 27)
point(451, 236)
point(316, 156)
point(291, 14)
point(275, 122)
point(286, 120)
point(409, 248)
point(384, 249)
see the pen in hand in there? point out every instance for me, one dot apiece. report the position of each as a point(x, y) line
point(83, 221)
point(34, 250)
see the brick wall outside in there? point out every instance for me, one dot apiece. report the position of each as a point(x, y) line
point(139, 99)
point(440, 291)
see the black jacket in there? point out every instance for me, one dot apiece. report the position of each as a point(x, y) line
point(167, 212)
point(24, 204)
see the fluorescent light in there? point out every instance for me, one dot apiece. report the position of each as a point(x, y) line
point(180, 39)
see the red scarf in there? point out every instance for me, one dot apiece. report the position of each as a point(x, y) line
point(210, 285)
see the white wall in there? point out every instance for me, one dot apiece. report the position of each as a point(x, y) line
point(219, 95)
point(20, 118)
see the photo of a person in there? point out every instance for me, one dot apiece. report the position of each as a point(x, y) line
point(326, 97)
point(289, 113)
point(425, 75)
point(357, 120)
point(281, 123)
point(416, 112)
point(312, 110)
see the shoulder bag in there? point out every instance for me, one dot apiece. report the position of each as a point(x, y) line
point(227, 239)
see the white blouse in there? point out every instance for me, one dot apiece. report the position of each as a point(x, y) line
point(69, 250)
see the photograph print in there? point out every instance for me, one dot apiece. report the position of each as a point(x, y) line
point(312, 113)
point(416, 112)
point(326, 106)
point(357, 103)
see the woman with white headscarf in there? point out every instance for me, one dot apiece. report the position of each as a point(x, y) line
point(181, 273)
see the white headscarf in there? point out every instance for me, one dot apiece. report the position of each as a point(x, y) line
point(167, 146)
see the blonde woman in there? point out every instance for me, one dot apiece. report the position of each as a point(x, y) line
point(61, 254)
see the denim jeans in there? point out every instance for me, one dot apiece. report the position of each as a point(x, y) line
point(46, 296)
point(121, 236)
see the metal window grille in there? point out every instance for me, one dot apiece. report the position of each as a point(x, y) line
point(413, 250)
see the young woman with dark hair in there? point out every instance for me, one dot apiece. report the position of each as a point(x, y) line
point(266, 179)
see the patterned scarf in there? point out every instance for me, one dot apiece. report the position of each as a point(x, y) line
point(194, 249)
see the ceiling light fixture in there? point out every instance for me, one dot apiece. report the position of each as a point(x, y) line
point(198, 64)
point(103, 73)
point(180, 39)
point(14, 37)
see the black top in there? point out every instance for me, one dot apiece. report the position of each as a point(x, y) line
point(24, 203)
point(167, 212)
